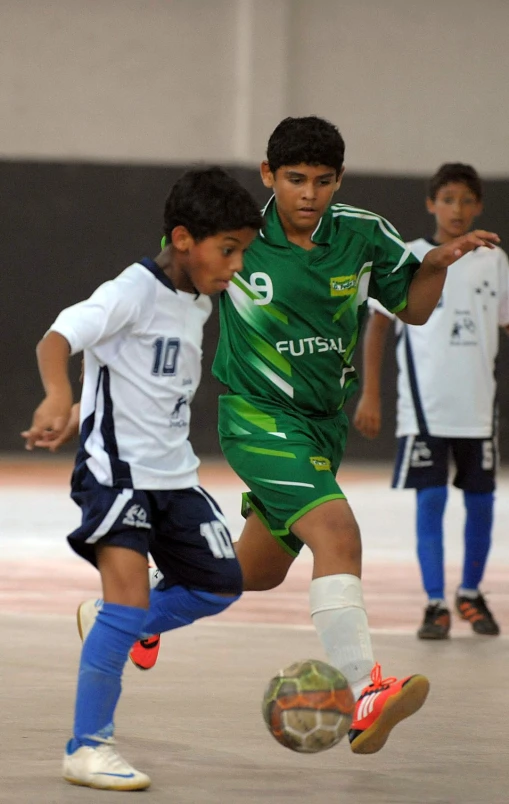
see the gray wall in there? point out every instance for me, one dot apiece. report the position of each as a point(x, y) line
point(410, 83)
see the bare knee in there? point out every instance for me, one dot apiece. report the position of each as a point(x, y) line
point(124, 576)
point(263, 561)
point(345, 541)
point(333, 536)
point(258, 573)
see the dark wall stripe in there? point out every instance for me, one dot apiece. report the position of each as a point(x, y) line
point(65, 228)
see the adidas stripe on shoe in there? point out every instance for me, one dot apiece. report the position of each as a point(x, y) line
point(381, 706)
point(436, 623)
point(476, 612)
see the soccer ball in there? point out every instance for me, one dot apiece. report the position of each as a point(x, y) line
point(308, 706)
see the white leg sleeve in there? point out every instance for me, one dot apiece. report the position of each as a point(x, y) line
point(339, 616)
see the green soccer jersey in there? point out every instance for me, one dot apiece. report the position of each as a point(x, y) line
point(290, 321)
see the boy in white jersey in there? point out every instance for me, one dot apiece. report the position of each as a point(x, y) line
point(446, 400)
point(289, 326)
point(135, 477)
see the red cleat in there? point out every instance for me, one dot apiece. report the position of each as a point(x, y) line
point(144, 653)
point(382, 705)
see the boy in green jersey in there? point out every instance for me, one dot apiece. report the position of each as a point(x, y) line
point(289, 326)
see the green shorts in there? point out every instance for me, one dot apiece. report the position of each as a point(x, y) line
point(288, 460)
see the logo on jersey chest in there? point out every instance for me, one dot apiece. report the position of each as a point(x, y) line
point(486, 293)
point(321, 464)
point(343, 285)
point(177, 418)
point(463, 330)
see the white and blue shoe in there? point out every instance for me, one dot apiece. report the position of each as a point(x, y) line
point(101, 767)
point(86, 614)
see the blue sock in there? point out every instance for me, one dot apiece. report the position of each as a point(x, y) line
point(430, 539)
point(478, 525)
point(178, 606)
point(103, 657)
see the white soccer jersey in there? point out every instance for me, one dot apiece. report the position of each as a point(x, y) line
point(142, 344)
point(446, 381)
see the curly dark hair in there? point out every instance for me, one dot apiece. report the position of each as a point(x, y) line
point(458, 173)
point(306, 140)
point(208, 201)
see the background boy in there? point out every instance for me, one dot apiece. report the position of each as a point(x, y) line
point(446, 399)
point(135, 477)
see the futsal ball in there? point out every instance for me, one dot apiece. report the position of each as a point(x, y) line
point(308, 707)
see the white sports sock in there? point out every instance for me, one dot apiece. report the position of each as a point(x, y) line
point(470, 593)
point(339, 616)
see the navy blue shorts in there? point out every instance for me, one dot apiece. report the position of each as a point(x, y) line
point(423, 461)
point(185, 531)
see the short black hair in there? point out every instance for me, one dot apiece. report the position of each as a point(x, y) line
point(306, 140)
point(208, 201)
point(458, 173)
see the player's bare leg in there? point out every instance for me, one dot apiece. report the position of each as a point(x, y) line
point(144, 652)
point(264, 562)
point(337, 609)
point(258, 575)
point(338, 612)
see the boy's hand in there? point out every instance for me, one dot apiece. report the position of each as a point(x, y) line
point(443, 256)
point(68, 433)
point(49, 422)
point(368, 417)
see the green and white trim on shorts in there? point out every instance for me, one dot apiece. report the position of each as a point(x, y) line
point(288, 461)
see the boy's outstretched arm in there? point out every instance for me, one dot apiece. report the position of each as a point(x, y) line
point(368, 413)
point(51, 418)
point(426, 286)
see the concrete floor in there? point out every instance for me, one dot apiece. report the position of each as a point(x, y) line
point(194, 722)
